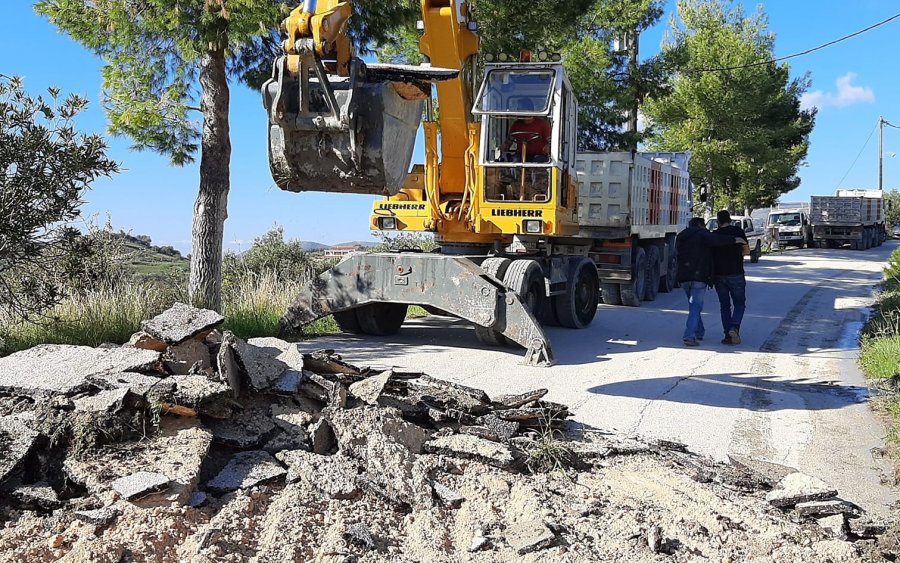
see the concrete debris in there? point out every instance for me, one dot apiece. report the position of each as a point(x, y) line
point(520, 400)
point(103, 402)
point(472, 447)
point(360, 536)
point(447, 496)
point(370, 389)
point(835, 525)
point(866, 528)
point(503, 429)
point(151, 387)
point(191, 356)
point(354, 427)
point(291, 417)
point(229, 370)
point(766, 471)
point(195, 391)
point(99, 516)
point(828, 508)
point(144, 341)
point(262, 368)
point(654, 537)
point(289, 382)
point(296, 439)
point(140, 484)
point(322, 436)
point(181, 322)
point(65, 370)
point(529, 536)
point(799, 487)
point(333, 476)
point(247, 429)
point(481, 432)
point(39, 496)
point(245, 470)
point(17, 439)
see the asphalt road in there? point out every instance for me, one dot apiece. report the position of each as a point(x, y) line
point(790, 393)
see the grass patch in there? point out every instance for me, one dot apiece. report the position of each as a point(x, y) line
point(880, 357)
point(110, 315)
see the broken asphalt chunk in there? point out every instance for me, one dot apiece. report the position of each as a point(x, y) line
point(103, 402)
point(765, 471)
point(814, 509)
point(447, 496)
point(370, 389)
point(17, 439)
point(326, 361)
point(835, 525)
point(529, 536)
point(244, 430)
point(360, 536)
point(472, 447)
point(229, 369)
point(504, 429)
point(37, 496)
point(191, 356)
point(799, 487)
point(334, 476)
point(151, 387)
point(867, 528)
point(180, 323)
point(59, 369)
point(520, 400)
point(98, 517)
point(245, 470)
point(194, 391)
point(139, 484)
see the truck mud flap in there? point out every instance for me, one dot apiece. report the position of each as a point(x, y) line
point(453, 284)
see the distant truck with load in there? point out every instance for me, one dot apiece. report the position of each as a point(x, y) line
point(854, 217)
point(791, 224)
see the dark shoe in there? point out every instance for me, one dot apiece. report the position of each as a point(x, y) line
point(735, 336)
point(727, 340)
point(691, 342)
point(699, 339)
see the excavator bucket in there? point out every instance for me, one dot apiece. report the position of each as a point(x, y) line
point(351, 134)
point(452, 284)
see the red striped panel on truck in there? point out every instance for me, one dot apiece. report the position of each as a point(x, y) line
point(655, 192)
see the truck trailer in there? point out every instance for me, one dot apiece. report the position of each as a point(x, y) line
point(854, 217)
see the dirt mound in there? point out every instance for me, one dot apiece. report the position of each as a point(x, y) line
point(224, 450)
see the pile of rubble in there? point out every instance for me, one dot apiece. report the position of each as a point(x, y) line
point(187, 443)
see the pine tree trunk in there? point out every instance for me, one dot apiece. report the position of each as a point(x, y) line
point(211, 208)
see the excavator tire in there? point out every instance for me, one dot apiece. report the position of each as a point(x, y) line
point(526, 278)
point(578, 305)
point(633, 291)
point(348, 322)
point(381, 319)
point(496, 267)
point(651, 286)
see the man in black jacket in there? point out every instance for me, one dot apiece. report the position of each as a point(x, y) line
point(693, 248)
point(731, 285)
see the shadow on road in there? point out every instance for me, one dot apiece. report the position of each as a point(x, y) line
point(739, 391)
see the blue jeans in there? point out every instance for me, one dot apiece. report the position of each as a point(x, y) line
point(732, 291)
point(695, 291)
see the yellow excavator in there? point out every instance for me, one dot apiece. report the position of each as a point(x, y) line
point(498, 188)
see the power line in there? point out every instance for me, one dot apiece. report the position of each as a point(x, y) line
point(889, 124)
point(806, 52)
point(869, 138)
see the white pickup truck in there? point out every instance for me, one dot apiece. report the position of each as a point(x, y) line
point(755, 232)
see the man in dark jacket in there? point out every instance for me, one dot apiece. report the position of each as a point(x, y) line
point(693, 248)
point(731, 285)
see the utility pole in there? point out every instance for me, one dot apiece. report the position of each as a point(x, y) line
point(881, 153)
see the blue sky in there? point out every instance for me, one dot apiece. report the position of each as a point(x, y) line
point(852, 84)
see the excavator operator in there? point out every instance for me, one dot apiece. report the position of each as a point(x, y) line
point(532, 132)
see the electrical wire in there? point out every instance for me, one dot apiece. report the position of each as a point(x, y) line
point(855, 160)
point(889, 124)
point(802, 53)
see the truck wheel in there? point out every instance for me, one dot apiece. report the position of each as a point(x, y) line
point(756, 253)
point(578, 305)
point(381, 319)
point(668, 282)
point(496, 267)
point(610, 294)
point(651, 286)
point(633, 291)
point(347, 321)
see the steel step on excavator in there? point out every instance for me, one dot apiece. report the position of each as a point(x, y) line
point(521, 243)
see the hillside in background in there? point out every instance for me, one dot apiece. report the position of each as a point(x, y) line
point(149, 262)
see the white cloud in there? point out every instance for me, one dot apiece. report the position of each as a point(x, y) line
point(847, 95)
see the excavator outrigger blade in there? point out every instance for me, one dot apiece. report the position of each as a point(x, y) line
point(452, 284)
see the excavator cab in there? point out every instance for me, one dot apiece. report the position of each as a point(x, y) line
point(528, 129)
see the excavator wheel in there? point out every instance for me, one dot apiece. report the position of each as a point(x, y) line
point(496, 267)
point(526, 278)
point(633, 291)
point(381, 319)
point(347, 321)
point(669, 282)
point(651, 286)
point(578, 305)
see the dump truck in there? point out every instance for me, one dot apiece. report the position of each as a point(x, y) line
point(790, 222)
point(528, 228)
point(854, 217)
